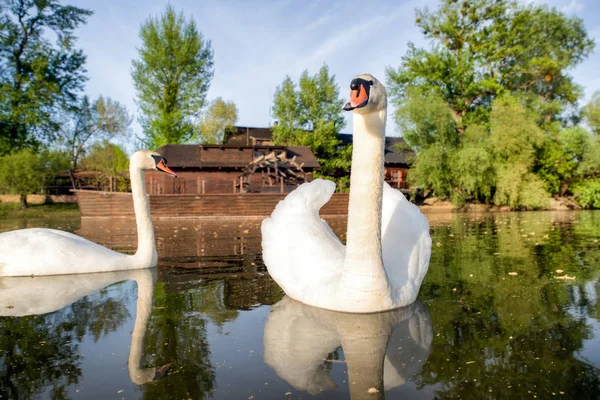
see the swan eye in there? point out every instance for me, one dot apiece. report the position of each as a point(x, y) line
point(157, 159)
point(371, 83)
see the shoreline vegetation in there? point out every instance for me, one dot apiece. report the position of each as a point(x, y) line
point(13, 210)
point(435, 205)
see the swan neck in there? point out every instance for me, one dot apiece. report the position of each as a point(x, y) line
point(146, 255)
point(145, 294)
point(364, 262)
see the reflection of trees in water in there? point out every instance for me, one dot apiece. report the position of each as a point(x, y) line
point(177, 329)
point(42, 351)
point(512, 336)
point(177, 332)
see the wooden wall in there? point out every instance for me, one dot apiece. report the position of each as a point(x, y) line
point(111, 204)
point(190, 182)
point(396, 177)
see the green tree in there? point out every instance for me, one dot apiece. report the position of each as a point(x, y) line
point(591, 112)
point(37, 76)
point(171, 78)
point(489, 59)
point(112, 163)
point(90, 122)
point(312, 116)
point(25, 172)
point(483, 48)
point(220, 116)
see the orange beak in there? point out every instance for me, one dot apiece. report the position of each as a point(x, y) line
point(163, 167)
point(358, 97)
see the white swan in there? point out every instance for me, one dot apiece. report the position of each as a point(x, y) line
point(388, 244)
point(41, 251)
point(381, 351)
point(21, 296)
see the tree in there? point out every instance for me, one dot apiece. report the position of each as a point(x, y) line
point(312, 116)
point(220, 116)
point(171, 78)
point(591, 112)
point(483, 48)
point(111, 162)
point(103, 119)
point(25, 172)
point(485, 107)
point(37, 77)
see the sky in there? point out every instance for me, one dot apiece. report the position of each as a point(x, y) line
point(257, 43)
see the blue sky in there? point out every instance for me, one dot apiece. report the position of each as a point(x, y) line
point(258, 43)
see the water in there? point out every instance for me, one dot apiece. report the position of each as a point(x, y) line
point(492, 321)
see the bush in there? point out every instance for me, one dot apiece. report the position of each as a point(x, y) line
point(587, 194)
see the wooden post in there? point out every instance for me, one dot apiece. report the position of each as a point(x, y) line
point(198, 188)
point(269, 176)
point(241, 184)
point(341, 187)
point(281, 186)
point(203, 187)
point(234, 186)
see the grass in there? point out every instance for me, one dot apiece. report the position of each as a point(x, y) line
point(10, 210)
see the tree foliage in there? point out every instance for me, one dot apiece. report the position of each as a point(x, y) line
point(25, 172)
point(87, 123)
point(592, 113)
point(220, 116)
point(171, 77)
point(489, 106)
point(37, 76)
point(111, 161)
point(483, 48)
point(310, 114)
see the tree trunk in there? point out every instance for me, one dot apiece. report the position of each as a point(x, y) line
point(23, 199)
point(72, 176)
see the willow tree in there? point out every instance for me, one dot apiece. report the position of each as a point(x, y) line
point(41, 70)
point(171, 77)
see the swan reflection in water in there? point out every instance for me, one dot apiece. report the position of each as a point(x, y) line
point(382, 350)
point(23, 296)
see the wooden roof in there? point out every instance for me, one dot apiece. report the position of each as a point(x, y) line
point(228, 156)
point(392, 154)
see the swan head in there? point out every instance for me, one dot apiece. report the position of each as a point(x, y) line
point(367, 95)
point(150, 160)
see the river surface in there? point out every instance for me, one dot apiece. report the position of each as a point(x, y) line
point(495, 319)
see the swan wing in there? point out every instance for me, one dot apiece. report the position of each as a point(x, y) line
point(40, 251)
point(300, 250)
point(406, 244)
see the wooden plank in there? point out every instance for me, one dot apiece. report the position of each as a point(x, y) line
point(99, 204)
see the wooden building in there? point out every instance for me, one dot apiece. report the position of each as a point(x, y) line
point(230, 168)
point(397, 162)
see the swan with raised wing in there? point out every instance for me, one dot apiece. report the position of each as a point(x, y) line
point(388, 244)
point(40, 251)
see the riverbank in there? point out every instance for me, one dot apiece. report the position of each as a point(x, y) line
point(11, 210)
point(434, 205)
